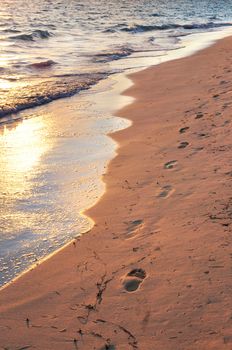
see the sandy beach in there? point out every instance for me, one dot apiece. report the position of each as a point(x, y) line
point(155, 271)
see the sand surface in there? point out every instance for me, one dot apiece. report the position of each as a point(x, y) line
point(155, 272)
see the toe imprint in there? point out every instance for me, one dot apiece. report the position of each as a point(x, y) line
point(140, 273)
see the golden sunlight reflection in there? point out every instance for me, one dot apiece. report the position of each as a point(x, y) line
point(22, 145)
point(6, 84)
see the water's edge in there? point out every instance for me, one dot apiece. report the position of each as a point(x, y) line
point(121, 83)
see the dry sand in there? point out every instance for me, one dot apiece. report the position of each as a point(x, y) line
point(155, 272)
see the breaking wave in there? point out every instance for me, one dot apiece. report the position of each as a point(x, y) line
point(36, 34)
point(146, 28)
point(113, 56)
point(47, 91)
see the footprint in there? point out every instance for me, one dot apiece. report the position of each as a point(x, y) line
point(203, 135)
point(199, 115)
point(166, 191)
point(183, 144)
point(133, 279)
point(170, 165)
point(108, 347)
point(183, 130)
point(198, 149)
point(134, 225)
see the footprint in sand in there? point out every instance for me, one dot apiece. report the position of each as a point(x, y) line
point(134, 226)
point(133, 279)
point(170, 165)
point(199, 115)
point(183, 130)
point(196, 150)
point(108, 347)
point(183, 144)
point(203, 135)
point(166, 191)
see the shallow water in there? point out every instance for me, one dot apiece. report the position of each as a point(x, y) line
point(52, 157)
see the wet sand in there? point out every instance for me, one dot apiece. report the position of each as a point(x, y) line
point(155, 271)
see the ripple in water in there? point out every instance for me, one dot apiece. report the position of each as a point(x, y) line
point(45, 39)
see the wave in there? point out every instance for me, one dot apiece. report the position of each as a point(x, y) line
point(48, 91)
point(156, 15)
point(42, 64)
point(209, 25)
point(146, 28)
point(113, 56)
point(10, 30)
point(36, 34)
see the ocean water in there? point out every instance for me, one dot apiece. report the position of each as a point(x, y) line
point(52, 156)
point(50, 49)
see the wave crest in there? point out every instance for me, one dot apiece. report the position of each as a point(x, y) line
point(113, 56)
point(36, 34)
point(140, 28)
point(42, 64)
point(48, 91)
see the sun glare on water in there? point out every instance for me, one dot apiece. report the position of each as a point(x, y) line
point(22, 144)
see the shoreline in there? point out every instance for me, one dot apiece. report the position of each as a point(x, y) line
point(132, 239)
point(93, 123)
point(117, 84)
